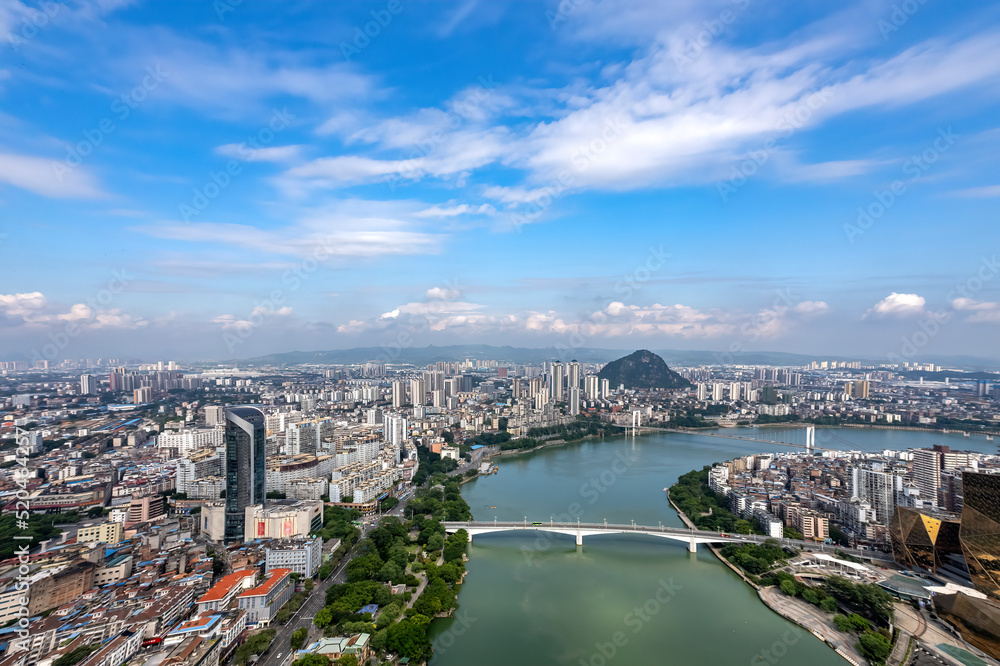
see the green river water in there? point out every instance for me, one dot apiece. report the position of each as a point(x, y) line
point(532, 598)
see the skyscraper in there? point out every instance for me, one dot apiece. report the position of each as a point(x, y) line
point(398, 393)
point(418, 392)
point(927, 472)
point(574, 400)
point(88, 385)
point(880, 489)
point(245, 466)
point(573, 374)
point(556, 390)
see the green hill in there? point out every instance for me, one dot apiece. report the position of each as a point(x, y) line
point(642, 370)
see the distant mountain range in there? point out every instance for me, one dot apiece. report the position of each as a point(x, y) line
point(642, 370)
point(432, 354)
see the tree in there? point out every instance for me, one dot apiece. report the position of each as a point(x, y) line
point(298, 638)
point(347, 660)
point(829, 605)
point(791, 533)
point(323, 618)
point(744, 526)
point(409, 638)
point(874, 646)
point(312, 660)
point(788, 587)
point(76, 655)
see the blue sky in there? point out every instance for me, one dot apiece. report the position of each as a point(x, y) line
point(215, 180)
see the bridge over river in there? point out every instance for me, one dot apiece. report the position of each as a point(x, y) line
point(691, 537)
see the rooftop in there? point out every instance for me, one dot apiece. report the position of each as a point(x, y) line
point(275, 576)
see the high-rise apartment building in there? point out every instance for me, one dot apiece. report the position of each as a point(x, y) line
point(215, 415)
point(573, 374)
point(245, 466)
point(398, 393)
point(574, 400)
point(88, 384)
point(878, 488)
point(591, 387)
point(418, 392)
point(927, 472)
point(556, 388)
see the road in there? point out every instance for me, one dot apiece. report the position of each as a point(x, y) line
point(280, 650)
point(931, 633)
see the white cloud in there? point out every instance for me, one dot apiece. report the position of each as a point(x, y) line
point(346, 228)
point(453, 211)
point(987, 192)
point(443, 293)
point(258, 316)
point(898, 305)
point(241, 151)
point(33, 309)
point(49, 178)
point(655, 123)
point(811, 307)
point(980, 311)
point(616, 320)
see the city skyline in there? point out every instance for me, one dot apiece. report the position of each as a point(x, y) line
point(724, 176)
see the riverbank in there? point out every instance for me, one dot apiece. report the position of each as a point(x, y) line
point(546, 445)
point(788, 608)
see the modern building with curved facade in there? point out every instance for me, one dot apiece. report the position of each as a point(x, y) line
point(980, 533)
point(246, 467)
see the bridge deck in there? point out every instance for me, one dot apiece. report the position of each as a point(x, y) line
point(677, 533)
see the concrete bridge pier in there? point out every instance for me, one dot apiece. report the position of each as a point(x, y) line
point(692, 546)
point(579, 538)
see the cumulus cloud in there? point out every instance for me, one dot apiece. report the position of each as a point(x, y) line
point(33, 309)
point(616, 319)
point(258, 315)
point(898, 305)
point(443, 293)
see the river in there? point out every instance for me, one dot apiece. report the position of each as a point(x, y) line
point(535, 599)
